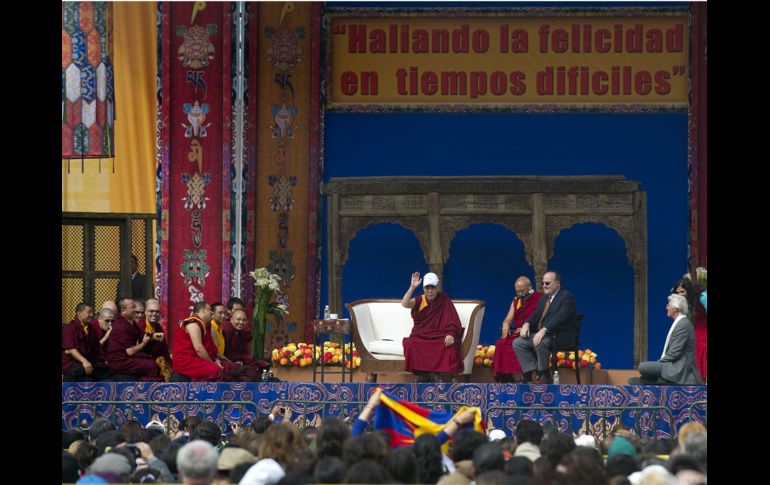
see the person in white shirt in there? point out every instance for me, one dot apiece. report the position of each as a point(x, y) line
point(676, 365)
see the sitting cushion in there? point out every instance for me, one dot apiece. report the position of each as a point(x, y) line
point(390, 347)
point(390, 321)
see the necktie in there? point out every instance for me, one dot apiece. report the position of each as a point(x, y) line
point(545, 310)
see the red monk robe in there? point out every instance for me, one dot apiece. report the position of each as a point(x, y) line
point(82, 338)
point(189, 364)
point(424, 349)
point(141, 365)
point(237, 343)
point(154, 347)
point(505, 361)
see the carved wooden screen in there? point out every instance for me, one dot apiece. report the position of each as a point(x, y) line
point(536, 209)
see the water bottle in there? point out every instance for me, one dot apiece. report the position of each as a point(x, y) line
point(555, 377)
point(327, 312)
point(264, 375)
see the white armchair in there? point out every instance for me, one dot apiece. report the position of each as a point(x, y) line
point(380, 325)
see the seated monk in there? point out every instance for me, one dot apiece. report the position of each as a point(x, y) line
point(154, 327)
point(238, 341)
point(506, 364)
point(195, 354)
point(80, 348)
point(126, 346)
point(434, 344)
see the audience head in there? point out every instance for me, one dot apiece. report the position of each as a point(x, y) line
point(488, 457)
point(519, 465)
point(331, 438)
point(329, 469)
point(691, 427)
point(70, 468)
point(555, 447)
point(112, 463)
point(427, 454)
point(207, 431)
point(401, 465)
point(197, 462)
point(528, 431)
point(366, 446)
point(99, 426)
point(465, 443)
point(281, 442)
point(367, 471)
point(621, 464)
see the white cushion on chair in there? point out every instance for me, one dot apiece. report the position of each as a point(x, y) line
point(389, 347)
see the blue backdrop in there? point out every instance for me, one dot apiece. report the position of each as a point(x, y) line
point(485, 259)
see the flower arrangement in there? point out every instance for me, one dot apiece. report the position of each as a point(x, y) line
point(585, 358)
point(302, 355)
point(485, 356)
point(266, 285)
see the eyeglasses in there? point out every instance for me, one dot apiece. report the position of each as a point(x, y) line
point(546, 283)
point(152, 311)
point(109, 321)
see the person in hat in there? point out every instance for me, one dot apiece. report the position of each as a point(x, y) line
point(434, 344)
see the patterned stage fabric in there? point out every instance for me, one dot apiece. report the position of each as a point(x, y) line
point(287, 151)
point(88, 86)
point(194, 155)
point(306, 401)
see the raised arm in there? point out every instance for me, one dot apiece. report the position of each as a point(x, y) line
point(407, 301)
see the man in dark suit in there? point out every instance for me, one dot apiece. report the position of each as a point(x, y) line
point(138, 288)
point(556, 310)
point(677, 363)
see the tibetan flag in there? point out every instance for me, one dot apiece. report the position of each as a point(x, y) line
point(404, 421)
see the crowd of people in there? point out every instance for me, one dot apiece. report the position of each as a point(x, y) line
point(270, 451)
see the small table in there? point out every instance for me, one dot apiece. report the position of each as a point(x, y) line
point(336, 330)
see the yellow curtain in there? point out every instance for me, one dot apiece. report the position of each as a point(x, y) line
point(131, 189)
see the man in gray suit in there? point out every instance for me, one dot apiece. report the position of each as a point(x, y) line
point(556, 310)
point(676, 365)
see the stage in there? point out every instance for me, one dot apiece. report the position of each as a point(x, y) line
point(652, 411)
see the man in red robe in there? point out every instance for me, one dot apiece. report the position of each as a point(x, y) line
point(103, 328)
point(154, 327)
point(195, 354)
point(126, 354)
point(80, 348)
point(505, 362)
point(238, 342)
point(434, 344)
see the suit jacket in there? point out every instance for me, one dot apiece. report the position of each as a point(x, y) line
point(561, 319)
point(679, 359)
